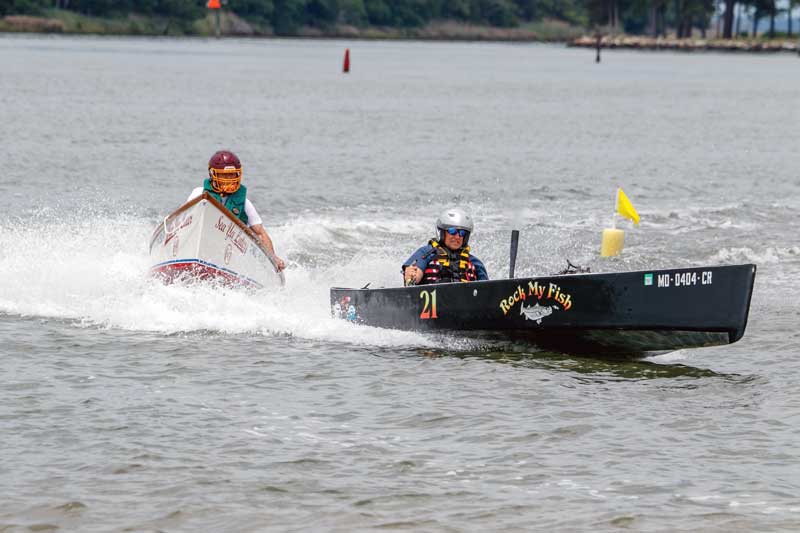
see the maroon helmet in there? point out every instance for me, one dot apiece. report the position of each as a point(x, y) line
point(225, 172)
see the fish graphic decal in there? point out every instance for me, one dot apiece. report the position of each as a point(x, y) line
point(537, 312)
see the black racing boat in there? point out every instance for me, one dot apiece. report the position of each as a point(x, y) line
point(612, 313)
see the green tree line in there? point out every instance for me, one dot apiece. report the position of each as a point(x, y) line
point(648, 17)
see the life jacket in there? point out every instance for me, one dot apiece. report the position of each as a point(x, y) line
point(448, 266)
point(233, 202)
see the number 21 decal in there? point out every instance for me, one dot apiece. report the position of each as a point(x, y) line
point(428, 305)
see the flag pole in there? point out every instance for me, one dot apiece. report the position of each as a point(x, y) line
point(613, 239)
point(616, 209)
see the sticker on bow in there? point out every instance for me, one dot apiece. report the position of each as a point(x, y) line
point(541, 299)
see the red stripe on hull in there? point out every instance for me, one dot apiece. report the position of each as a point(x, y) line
point(183, 272)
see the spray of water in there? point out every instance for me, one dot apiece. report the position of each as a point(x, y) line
point(93, 271)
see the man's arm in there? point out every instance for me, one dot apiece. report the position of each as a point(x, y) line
point(259, 230)
point(254, 221)
point(414, 265)
point(480, 270)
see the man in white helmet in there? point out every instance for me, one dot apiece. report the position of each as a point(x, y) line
point(447, 259)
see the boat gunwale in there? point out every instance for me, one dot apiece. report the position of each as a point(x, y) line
point(553, 276)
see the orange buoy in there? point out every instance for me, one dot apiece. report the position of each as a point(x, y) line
point(346, 67)
point(213, 4)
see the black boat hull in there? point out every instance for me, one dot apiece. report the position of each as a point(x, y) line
point(627, 312)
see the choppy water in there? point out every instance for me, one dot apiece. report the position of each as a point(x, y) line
point(127, 405)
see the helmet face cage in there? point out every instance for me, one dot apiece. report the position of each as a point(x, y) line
point(225, 180)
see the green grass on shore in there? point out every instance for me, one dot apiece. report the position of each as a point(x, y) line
point(62, 21)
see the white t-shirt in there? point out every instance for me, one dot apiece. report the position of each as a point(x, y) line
point(249, 209)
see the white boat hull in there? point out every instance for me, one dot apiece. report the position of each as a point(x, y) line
point(202, 240)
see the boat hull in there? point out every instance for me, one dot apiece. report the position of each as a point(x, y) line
point(203, 241)
point(628, 312)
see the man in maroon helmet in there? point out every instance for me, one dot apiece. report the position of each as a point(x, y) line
point(224, 183)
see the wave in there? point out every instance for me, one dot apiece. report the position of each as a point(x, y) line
point(94, 271)
point(768, 255)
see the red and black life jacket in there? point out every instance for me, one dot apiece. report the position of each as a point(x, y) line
point(448, 266)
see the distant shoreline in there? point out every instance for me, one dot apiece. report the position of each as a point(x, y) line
point(549, 31)
point(66, 22)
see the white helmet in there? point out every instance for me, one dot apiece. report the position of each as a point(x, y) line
point(454, 218)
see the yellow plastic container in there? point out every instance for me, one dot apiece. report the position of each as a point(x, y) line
point(613, 241)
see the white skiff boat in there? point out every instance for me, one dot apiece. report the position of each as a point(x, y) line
point(203, 240)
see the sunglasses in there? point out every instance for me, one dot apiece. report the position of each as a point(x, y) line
point(456, 231)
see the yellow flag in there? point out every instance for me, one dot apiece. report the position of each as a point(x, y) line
point(625, 207)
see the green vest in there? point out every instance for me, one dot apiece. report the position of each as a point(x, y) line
point(234, 202)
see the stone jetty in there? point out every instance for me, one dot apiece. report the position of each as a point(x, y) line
point(687, 45)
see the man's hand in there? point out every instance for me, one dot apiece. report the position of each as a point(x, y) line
point(279, 264)
point(412, 274)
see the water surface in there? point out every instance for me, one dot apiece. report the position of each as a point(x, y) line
point(127, 405)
